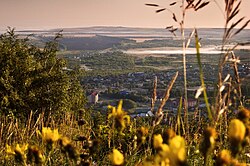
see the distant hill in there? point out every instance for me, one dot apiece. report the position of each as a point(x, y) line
point(97, 42)
point(99, 38)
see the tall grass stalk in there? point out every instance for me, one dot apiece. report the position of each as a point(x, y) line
point(182, 26)
point(179, 117)
point(230, 13)
point(203, 86)
point(159, 113)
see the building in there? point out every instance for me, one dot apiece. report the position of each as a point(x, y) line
point(93, 98)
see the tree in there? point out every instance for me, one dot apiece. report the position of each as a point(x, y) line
point(34, 79)
point(129, 104)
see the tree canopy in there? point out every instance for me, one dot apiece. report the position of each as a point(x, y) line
point(34, 79)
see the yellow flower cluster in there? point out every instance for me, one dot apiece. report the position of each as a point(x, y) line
point(173, 154)
point(25, 154)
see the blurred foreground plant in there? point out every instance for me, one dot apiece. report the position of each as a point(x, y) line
point(119, 117)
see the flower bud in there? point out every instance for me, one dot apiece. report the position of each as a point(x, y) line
point(237, 130)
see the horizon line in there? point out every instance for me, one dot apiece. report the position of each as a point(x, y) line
point(100, 26)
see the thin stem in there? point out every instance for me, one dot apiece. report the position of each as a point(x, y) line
point(222, 60)
point(184, 66)
point(221, 10)
point(179, 117)
point(206, 159)
point(202, 77)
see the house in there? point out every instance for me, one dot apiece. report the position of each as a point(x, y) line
point(93, 98)
point(192, 103)
point(174, 103)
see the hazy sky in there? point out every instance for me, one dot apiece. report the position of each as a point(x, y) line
point(40, 14)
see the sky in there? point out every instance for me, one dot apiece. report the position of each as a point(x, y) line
point(47, 14)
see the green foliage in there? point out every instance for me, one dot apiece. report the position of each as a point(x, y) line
point(131, 96)
point(154, 61)
point(34, 79)
point(109, 61)
point(129, 104)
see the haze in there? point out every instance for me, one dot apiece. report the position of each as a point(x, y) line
point(46, 14)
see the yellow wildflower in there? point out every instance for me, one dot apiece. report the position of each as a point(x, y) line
point(48, 135)
point(164, 156)
point(68, 148)
point(64, 141)
point(146, 163)
point(116, 111)
point(177, 148)
point(12, 151)
point(116, 157)
point(143, 130)
point(244, 115)
point(120, 117)
point(18, 152)
point(157, 141)
point(168, 135)
point(35, 154)
point(22, 148)
point(172, 154)
point(224, 158)
point(236, 132)
point(165, 151)
point(208, 142)
point(142, 135)
point(166, 162)
point(211, 133)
